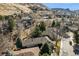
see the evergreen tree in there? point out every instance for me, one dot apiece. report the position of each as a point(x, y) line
point(53, 23)
point(76, 36)
point(1, 17)
point(39, 29)
point(42, 26)
point(11, 24)
point(18, 43)
point(45, 50)
point(36, 32)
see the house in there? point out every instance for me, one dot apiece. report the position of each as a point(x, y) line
point(73, 28)
point(27, 52)
point(22, 52)
point(45, 14)
point(49, 32)
point(32, 42)
point(52, 33)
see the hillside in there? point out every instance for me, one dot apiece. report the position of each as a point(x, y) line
point(29, 27)
point(9, 9)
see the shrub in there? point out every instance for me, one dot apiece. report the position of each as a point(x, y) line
point(42, 26)
point(18, 43)
point(45, 50)
point(1, 17)
point(6, 17)
point(55, 24)
point(76, 36)
point(36, 32)
point(39, 29)
point(11, 24)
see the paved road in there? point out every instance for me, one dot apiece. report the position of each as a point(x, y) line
point(66, 48)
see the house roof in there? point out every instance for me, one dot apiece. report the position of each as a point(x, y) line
point(52, 33)
point(34, 41)
point(73, 28)
point(27, 52)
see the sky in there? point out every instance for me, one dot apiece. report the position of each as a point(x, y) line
point(71, 6)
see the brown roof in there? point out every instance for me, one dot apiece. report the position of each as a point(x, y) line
point(27, 52)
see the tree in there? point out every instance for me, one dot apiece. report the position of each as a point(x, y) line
point(36, 32)
point(11, 24)
point(18, 43)
point(76, 36)
point(6, 17)
point(39, 29)
point(53, 23)
point(1, 17)
point(45, 50)
point(50, 17)
point(57, 24)
point(66, 28)
point(42, 26)
point(62, 19)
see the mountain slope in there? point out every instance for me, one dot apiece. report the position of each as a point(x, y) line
point(8, 9)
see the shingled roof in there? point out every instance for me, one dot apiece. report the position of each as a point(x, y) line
point(27, 52)
point(34, 41)
point(52, 33)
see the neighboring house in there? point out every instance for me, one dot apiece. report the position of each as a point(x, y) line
point(49, 32)
point(31, 42)
point(27, 52)
point(52, 33)
point(22, 52)
point(46, 14)
point(73, 28)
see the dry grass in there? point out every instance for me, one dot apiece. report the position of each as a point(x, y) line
point(9, 9)
point(57, 46)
